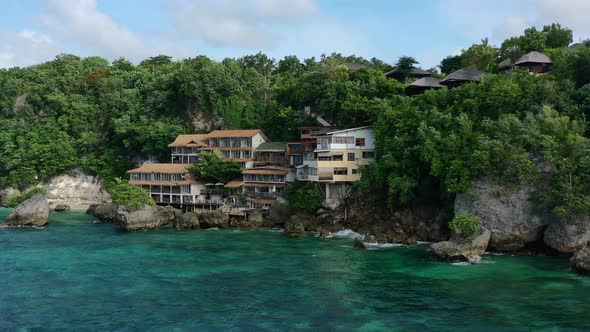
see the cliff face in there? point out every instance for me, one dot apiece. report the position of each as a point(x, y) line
point(77, 190)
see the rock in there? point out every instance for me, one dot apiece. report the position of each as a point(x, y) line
point(7, 194)
point(295, 227)
point(469, 249)
point(507, 213)
point(148, 217)
point(359, 244)
point(214, 219)
point(188, 220)
point(104, 211)
point(411, 241)
point(254, 221)
point(568, 236)
point(580, 261)
point(32, 212)
point(76, 189)
point(61, 208)
point(279, 212)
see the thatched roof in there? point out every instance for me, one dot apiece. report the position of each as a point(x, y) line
point(415, 72)
point(506, 64)
point(463, 75)
point(534, 57)
point(427, 82)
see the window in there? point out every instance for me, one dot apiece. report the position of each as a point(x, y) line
point(342, 140)
point(360, 141)
point(338, 157)
point(340, 171)
point(368, 154)
point(355, 171)
point(351, 156)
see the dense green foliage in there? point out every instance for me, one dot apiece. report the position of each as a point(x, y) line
point(304, 195)
point(210, 167)
point(465, 224)
point(124, 193)
point(18, 199)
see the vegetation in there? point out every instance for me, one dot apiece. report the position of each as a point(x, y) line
point(18, 199)
point(124, 193)
point(304, 195)
point(210, 167)
point(465, 224)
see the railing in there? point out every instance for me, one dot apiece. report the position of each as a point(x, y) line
point(263, 194)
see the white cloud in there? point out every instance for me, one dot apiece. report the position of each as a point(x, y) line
point(25, 48)
point(570, 13)
point(510, 27)
point(285, 9)
point(96, 32)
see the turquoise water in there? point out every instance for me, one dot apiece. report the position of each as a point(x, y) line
point(75, 275)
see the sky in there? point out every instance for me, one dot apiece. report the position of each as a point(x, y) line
point(34, 31)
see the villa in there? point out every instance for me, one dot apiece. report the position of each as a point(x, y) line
point(335, 162)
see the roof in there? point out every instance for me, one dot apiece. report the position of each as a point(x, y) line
point(234, 133)
point(266, 170)
point(272, 146)
point(196, 140)
point(427, 82)
point(161, 168)
point(345, 130)
point(534, 57)
point(505, 64)
point(234, 183)
point(463, 75)
point(416, 72)
point(164, 183)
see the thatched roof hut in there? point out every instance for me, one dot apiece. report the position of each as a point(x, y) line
point(423, 84)
point(536, 62)
point(461, 76)
point(414, 73)
point(505, 65)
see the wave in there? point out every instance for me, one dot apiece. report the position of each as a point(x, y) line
point(461, 263)
point(423, 242)
point(345, 234)
point(379, 246)
point(212, 229)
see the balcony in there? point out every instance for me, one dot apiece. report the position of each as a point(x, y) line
point(262, 194)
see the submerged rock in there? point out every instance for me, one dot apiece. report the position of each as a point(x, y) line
point(188, 220)
point(104, 211)
point(459, 248)
point(148, 217)
point(61, 208)
point(7, 194)
point(507, 213)
point(568, 236)
point(32, 212)
point(581, 261)
point(214, 219)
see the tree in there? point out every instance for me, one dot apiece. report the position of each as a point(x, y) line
point(404, 66)
point(133, 197)
point(451, 64)
point(480, 56)
point(557, 36)
point(210, 167)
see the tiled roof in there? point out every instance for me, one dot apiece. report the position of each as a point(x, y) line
point(234, 133)
point(161, 168)
point(194, 140)
point(234, 183)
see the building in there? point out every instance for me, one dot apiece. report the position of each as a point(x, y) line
point(173, 184)
point(465, 75)
point(535, 62)
point(505, 65)
point(423, 84)
point(415, 73)
point(262, 185)
point(336, 160)
point(271, 154)
point(234, 145)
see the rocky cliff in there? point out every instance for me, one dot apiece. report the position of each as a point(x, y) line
point(76, 189)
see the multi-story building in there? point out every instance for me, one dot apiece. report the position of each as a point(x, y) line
point(173, 184)
point(262, 185)
point(335, 162)
point(271, 154)
point(234, 145)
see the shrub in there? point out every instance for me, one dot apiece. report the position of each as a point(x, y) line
point(18, 199)
point(465, 224)
point(304, 196)
point(124, 193)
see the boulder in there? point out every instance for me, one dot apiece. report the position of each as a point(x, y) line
point(32, 212)
point(279, 212)
point(61, 208)
point(7, 194)
point(295, 227)
point(507, 213)
point(214, 219)
point(188, 220)
point(359, 243)
point(460, 248)
point(148, 217)
point(104, 211)
point(567, 236)
point(581, 261)
point(254, 221)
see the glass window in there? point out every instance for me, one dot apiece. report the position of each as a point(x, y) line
point(368, 154)
point(360, 141)
point(351, 156)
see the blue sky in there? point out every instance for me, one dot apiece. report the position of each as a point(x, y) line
point(33, 31)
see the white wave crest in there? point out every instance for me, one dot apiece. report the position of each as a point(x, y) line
point(345, 234)
point(379, 246)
